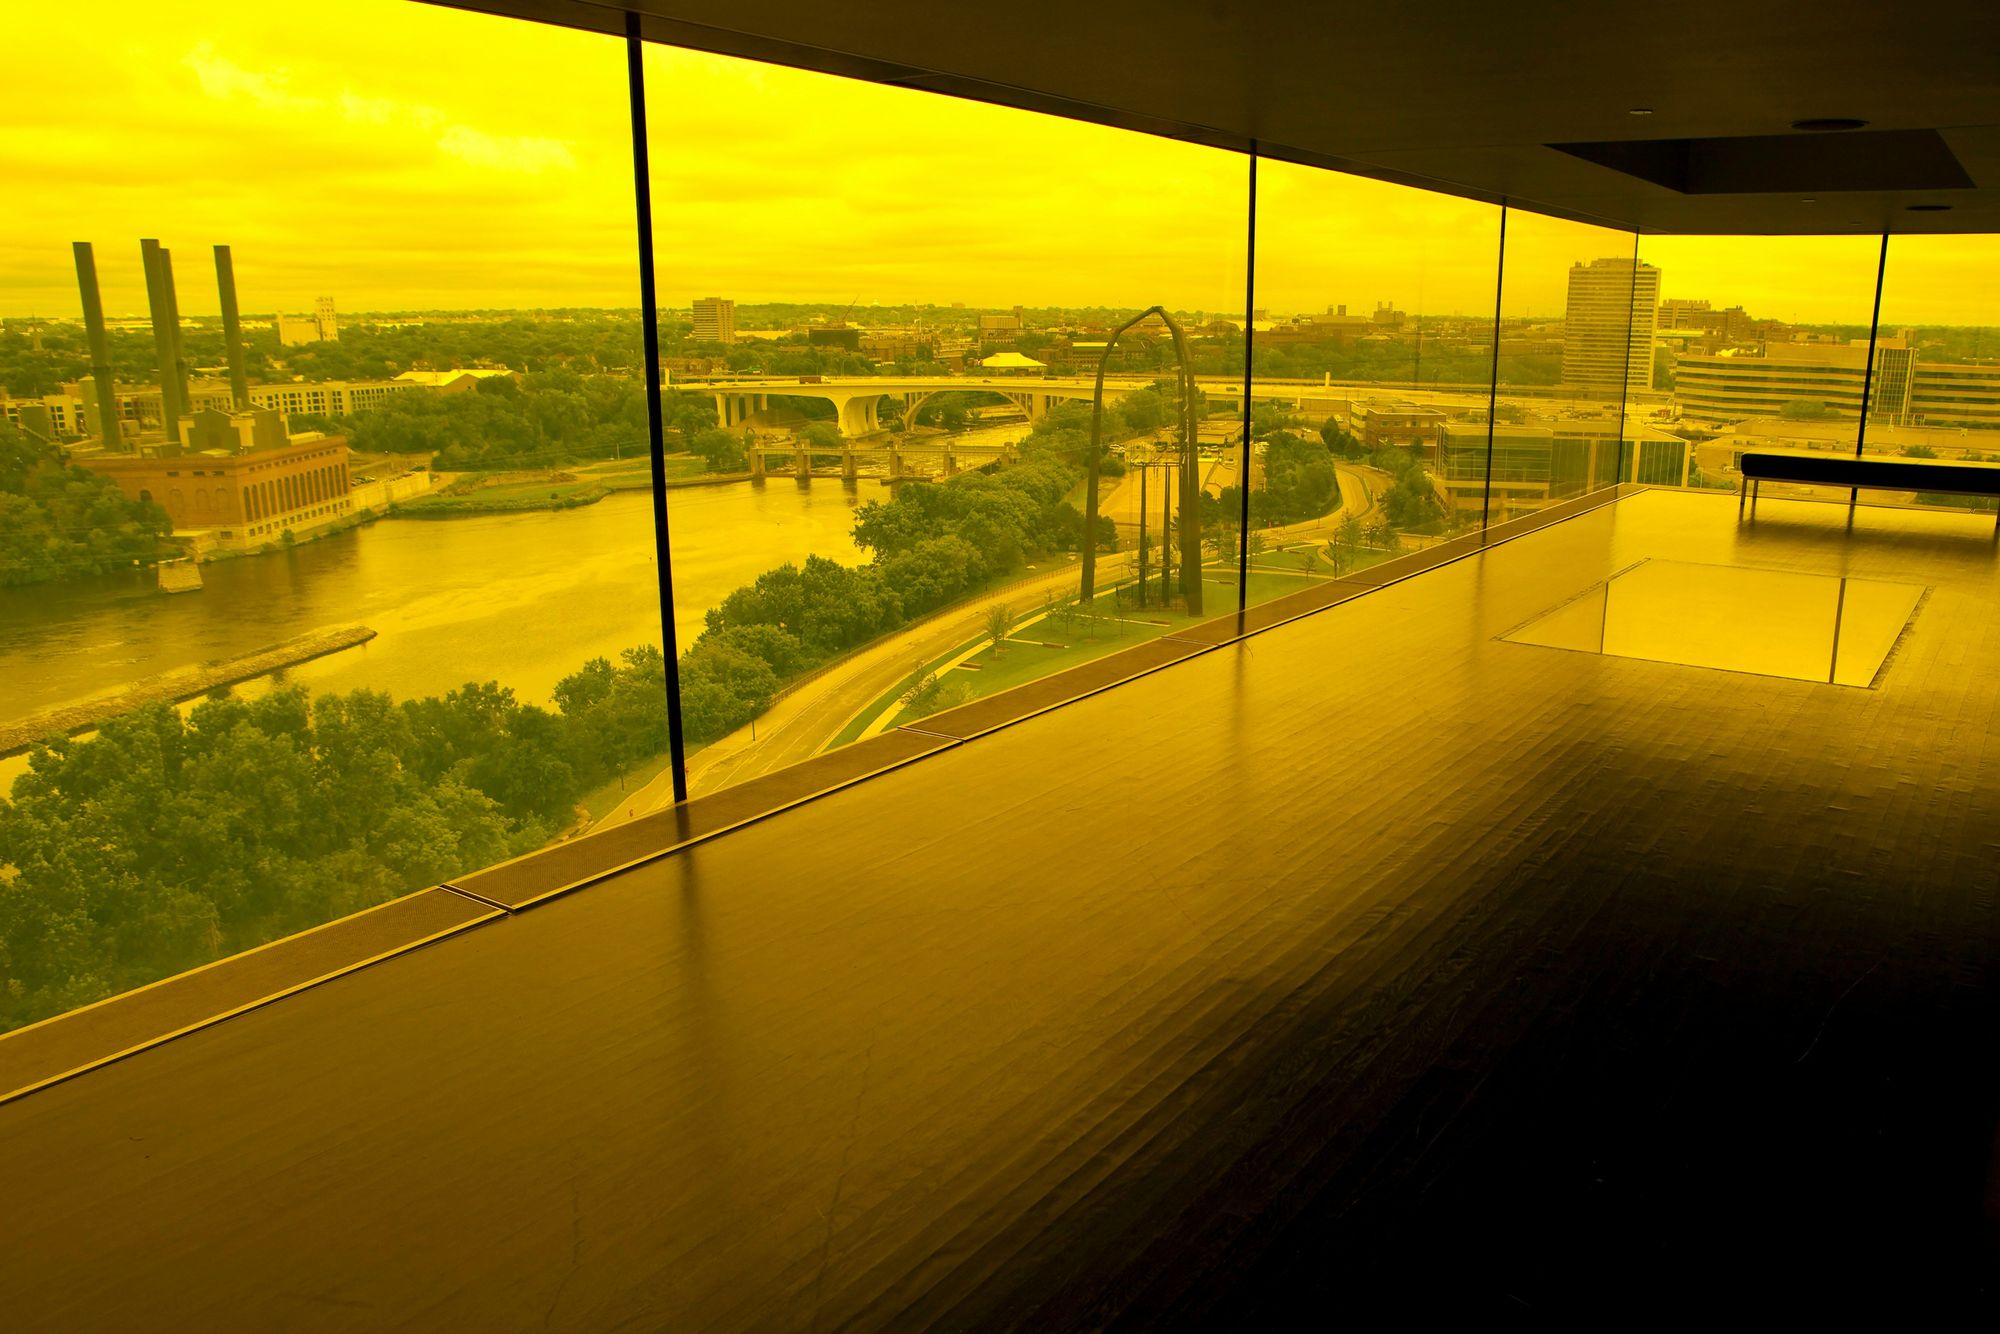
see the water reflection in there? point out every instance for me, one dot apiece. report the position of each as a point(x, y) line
point(450, 598)
point(1808, 627)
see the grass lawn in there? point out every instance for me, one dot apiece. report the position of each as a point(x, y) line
point(636, 474)
point(1046, 646)
point(600, 800)
point(488, 492)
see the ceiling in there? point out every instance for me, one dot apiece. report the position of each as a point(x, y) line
point(1469, 98)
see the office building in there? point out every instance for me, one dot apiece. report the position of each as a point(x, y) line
point(1682, 312)
point(1533, 465)
point(1608, 325)
point(45, 416)
point(1823, 379)
point(1404, 424)
point(322, 326)
point(714, 320)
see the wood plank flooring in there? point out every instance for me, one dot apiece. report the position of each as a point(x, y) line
point(1371, 968)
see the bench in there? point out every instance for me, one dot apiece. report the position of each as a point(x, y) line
point(1864, 473)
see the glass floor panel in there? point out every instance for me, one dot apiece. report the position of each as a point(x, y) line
point(1809, 627)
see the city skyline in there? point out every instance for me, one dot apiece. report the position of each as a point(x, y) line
point(769, 183)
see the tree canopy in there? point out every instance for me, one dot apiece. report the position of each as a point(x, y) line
point(166, 840)
point(58, 520)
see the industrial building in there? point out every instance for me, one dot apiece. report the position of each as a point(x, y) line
point(234, 495)
point(223, 462)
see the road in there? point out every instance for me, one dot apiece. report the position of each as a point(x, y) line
point(804, 723)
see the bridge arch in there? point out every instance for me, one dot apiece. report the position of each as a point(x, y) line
point(856, 401)
point(1033, 407)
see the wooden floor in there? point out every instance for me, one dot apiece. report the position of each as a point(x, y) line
point(1371, 967)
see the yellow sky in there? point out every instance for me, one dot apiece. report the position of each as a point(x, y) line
point(399, 156)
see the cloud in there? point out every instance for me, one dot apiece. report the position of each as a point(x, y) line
point(522, 153)
point(224, 79)
point(402, 152)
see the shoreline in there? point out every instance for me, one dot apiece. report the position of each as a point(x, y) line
point(175, 687)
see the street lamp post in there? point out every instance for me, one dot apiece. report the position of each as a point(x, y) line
point(1141, 456)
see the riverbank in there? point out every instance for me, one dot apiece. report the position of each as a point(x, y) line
point(176, 686)
point(561, 489)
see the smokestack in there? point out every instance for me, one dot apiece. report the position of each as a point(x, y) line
point(100, 348)
point(165, 344)
point(174, 327)
point(232, 330)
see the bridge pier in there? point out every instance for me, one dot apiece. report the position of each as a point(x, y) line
point(950, 461)
point(895, 464)
point(802, 464)
point(849, 470)
point(756, 463)
point(860, 415)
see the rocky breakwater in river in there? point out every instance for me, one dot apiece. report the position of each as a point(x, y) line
point(172, 687)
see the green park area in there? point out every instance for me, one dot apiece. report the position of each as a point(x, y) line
point(487, 493)
point(1044, 639)
point(544, 489)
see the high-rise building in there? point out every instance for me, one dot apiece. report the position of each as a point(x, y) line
point(1608, 325)
point(714, 320)
point(322, 326)
point(1680, 312)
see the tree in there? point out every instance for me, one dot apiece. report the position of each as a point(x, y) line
point(931, 694)
point(1299, 480)
point(60, 521)
point(165, 840)
point(1340, 440)
point(720, 449)
point(1269, 418)
point(1805, 409)
point(1346, 543)
point(821, 438)
point(688, 414)
point(999, 622)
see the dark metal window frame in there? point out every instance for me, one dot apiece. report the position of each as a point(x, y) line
point(634, 26)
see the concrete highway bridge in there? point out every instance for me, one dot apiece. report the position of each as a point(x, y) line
point(857, 400)
point(900, 453)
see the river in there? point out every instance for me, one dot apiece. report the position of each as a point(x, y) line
point(522, 599)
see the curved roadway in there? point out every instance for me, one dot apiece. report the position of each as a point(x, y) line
point(806, 721)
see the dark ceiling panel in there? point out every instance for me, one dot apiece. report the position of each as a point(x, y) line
point(1764, 163)
point(1455, 95)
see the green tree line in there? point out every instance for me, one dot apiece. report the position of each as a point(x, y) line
point(929, 545)
point(59, 521)
point(167, 840)
point(549, 417)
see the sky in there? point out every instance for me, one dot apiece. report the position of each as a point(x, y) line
point(401, 156)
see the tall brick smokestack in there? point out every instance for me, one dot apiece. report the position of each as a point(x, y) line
point(166, 334)
point(232, 329)
point(100, 347)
